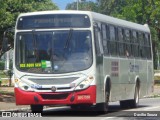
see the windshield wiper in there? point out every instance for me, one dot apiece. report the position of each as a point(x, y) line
point(35, 44)
point(68, 38)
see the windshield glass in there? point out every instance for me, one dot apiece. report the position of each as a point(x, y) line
point(54, 51)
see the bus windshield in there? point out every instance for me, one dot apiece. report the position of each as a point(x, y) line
point(53, 52)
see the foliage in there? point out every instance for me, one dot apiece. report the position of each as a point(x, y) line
point(88, 6)
point(139, 11)
point(10, 9)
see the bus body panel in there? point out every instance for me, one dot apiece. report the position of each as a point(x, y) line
point(123, 81)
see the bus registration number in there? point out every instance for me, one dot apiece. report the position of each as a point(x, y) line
point(84, 97)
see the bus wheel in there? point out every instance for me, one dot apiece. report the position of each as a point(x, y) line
point(103, 107)
point(37, 108)
point(81, 107)
point(75, 107)
point(134, 102)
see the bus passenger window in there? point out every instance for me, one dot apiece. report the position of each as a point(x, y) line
point(120, 42)
point(104, 38)
point(135, 44)
point(127, 42)
point(141, 43)
point(126, 53)
point(96, 41)
point(112, 43)
point(147, 46)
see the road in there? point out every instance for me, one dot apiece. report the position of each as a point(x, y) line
point(149, 108)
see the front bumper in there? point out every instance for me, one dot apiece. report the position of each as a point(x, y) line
point(87, 96)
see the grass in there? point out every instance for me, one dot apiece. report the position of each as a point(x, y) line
point(157, 78)
point(3, 75)
point(155, 96)
point(157, 84)
point(6, 93)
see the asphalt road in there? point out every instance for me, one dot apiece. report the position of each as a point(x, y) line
point(149, 109)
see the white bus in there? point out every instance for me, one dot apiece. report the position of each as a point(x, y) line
point(80, 58)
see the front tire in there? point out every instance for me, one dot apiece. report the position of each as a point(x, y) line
point(103, 107)
point(81, 107)
point(37, 108)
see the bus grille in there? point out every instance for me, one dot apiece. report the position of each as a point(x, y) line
point(55, 96)
point(61, 88)
point(53, 81)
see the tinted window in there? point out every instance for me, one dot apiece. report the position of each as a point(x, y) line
point(112, 43)
point(104, 38)
point(135, 44)
point(127, 43)
point(120, 41)
point(147, 45)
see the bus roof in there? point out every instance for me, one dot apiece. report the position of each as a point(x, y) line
point(96, 17)
point(120, 22)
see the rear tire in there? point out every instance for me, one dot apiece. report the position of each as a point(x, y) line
point(37, 108)
point(133, 103)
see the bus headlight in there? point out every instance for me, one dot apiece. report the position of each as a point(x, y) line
point(24, 86)
point(85, 83)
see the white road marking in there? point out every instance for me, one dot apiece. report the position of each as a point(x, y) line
point(55, 108)
point(149, 108)
point(106, 118)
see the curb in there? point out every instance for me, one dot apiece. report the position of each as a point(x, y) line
point(7, 99)
point(152, 96)
point(26, 109)
point(17, 110)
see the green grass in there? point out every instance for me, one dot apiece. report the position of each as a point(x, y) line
point(6, 93)
point(155, 96)
point(157, 84)
point(3, 75)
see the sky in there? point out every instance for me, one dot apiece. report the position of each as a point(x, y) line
point(62, 3)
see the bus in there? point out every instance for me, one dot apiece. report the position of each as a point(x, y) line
point(80, 59)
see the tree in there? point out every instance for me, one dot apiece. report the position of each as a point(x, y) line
point(139, 11)
point(88, 6)
point(10, 9)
